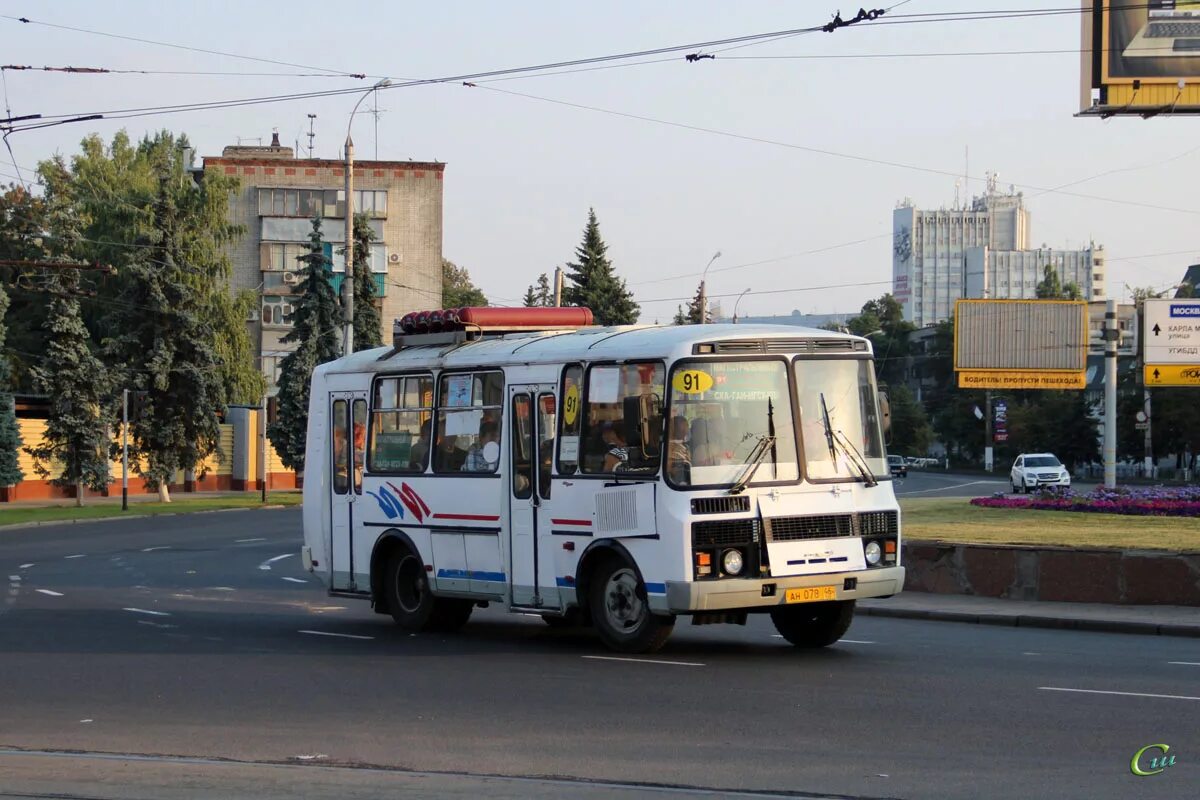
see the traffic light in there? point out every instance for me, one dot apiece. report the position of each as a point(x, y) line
point(137, 405)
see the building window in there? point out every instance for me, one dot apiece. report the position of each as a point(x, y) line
point(277, 311)
point(320, 202)
point(281, 257)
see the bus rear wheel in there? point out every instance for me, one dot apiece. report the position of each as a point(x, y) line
point(621, 612)
point(813, 624)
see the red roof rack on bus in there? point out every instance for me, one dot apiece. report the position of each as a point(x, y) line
point(460, 325)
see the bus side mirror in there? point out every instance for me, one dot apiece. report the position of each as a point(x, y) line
point(885, 416)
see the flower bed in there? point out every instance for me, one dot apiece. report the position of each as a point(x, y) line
point(1153, 501)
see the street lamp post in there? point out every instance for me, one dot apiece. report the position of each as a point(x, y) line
point(735, 305)
point(348, 278)
point(704, 289)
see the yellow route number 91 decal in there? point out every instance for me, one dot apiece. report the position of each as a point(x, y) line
point(571, 405)
point(691, 381)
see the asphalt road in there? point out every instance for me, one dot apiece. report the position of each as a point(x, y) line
point(197, 644)
point(936, 483)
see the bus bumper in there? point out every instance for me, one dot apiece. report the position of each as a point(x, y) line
point(730, 594)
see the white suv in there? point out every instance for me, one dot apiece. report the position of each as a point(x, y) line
point(1033, 470)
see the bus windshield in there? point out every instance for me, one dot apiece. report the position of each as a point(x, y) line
point(723, 415)
point(839, 418)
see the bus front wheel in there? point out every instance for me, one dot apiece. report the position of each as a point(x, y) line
point(621, 612)
point(813, 624)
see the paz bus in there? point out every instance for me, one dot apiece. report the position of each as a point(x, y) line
point(617, 477)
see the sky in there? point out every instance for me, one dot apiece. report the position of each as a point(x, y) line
point(786, 180)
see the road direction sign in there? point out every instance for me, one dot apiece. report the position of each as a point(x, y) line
point(1172, 375)
point(1171, 332)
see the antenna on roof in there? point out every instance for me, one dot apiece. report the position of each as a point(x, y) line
point(311, 117)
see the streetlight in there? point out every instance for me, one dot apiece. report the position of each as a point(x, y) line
point(703, 289)
point(735, 305)
point(348, 278)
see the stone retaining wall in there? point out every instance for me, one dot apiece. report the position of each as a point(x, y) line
point(1135, 577)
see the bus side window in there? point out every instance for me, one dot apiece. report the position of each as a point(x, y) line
point(624, 418)
point(340, 449)
point(360, 443)
point(571, 400)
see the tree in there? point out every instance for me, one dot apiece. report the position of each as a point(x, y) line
point(882, 321)
point(317, 329)
point(595, 284)
point(22, 229)
point(691, 314)
point(10, 436)
point(164, 342)
point(910, 433)
point(1052, 288)
point(367, 325)
point(541, 296)
point(77, 385)
point(457, 289)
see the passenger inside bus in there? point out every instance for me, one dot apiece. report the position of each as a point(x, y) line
point(341, 460)
point(419, 454)
point(679, 456)
point(360, 452)
point(476, 460)
point(618, 451)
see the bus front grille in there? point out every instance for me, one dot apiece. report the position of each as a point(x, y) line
point(831, 526)
point(724, 532)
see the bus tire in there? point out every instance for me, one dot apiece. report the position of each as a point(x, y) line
point(813, 624)
point(621, 612)
point(409, 599)
point(449, 614)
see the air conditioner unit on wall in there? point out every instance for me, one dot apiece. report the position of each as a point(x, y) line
point(393, 258)
point(290, 278)
point(252, 316)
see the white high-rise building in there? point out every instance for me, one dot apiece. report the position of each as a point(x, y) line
point(978, 250)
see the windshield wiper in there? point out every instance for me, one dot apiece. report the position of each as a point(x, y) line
point(856, 458)
point(828, 428)
point(765, 444)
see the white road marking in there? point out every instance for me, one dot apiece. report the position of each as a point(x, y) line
point(1031, 654)
point(255, 539)
point(87, 720)
point(839, 641)
point(152, 549)
point(339, 635)
point(27, 566)
point(953, 486)
point(267, 564)
point(1122, 694)
point(223, 588)
point(51, 593)
point(15, 578)
point(646, 661)
point(313, 757)
point(296, 580)
point(155, 624)
point(1186, 663)
point(77, 555)
point(145, 611)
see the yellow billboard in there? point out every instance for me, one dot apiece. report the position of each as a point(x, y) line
point(1171, 374)
point(1140, 58)
point(1010, 379)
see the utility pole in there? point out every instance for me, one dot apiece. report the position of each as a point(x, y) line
point(704, 289)
point(987, 431)
point(558, 286)
point(1111, 337)
point(124, 449)
point(348, 277)
point(262, 446)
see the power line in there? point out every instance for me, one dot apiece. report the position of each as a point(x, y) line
point(207, 73)
point(821, 151)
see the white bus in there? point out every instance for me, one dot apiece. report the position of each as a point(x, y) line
point(617, 477)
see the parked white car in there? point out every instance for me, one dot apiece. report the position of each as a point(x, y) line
point(1035, 470)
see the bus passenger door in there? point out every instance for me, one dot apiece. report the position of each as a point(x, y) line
point(347, 431)
point(531, 565)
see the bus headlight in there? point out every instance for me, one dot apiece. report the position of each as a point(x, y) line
point(731, 562)
point(873, 552)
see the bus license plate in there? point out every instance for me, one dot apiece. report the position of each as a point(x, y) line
point(811, 594)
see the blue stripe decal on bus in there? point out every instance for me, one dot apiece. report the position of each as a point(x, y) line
point(565, 583)
point(816, 561)
point(656, 588)
point(797, 561)
point(475, 575)
point(839, 558)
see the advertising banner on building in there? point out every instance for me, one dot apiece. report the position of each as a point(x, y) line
point(1000, 421)
point(1141, 58)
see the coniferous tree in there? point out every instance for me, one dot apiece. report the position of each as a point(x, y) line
point(317, 330)
point(77, 385)
point(530, 300)
point(10, 436)
point(539, 295)
point(457, 288)
point(367, 325)
point(594, 282)
point(681, 317)
point(165, 341)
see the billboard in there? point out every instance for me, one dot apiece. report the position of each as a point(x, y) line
point(1140, 58)
point(1021, 344)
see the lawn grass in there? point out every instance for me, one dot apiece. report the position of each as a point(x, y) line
point(66, 510)
point(956, 520)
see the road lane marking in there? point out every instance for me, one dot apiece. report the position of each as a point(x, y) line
point(77, 555)
point(223, 588)
point(155, 624)
point(152, 549)
point(339, 635)
point(954, 486)
point(646, 661)
point(15, 578)
point(27, 566)
point(1031, 654)
point(50, 593)
point(255, 539)
point(296, 580)
point(267, 564)
point(839, 641)
point(146, 611)
point(1186, 663)
point(1122, 694)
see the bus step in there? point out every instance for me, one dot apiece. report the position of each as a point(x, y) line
point(719, 617)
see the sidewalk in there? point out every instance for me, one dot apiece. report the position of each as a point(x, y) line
point(115, 499)
point(1151, 620)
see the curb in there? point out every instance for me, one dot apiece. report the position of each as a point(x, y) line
point(119, 518)
point(1035, 621)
